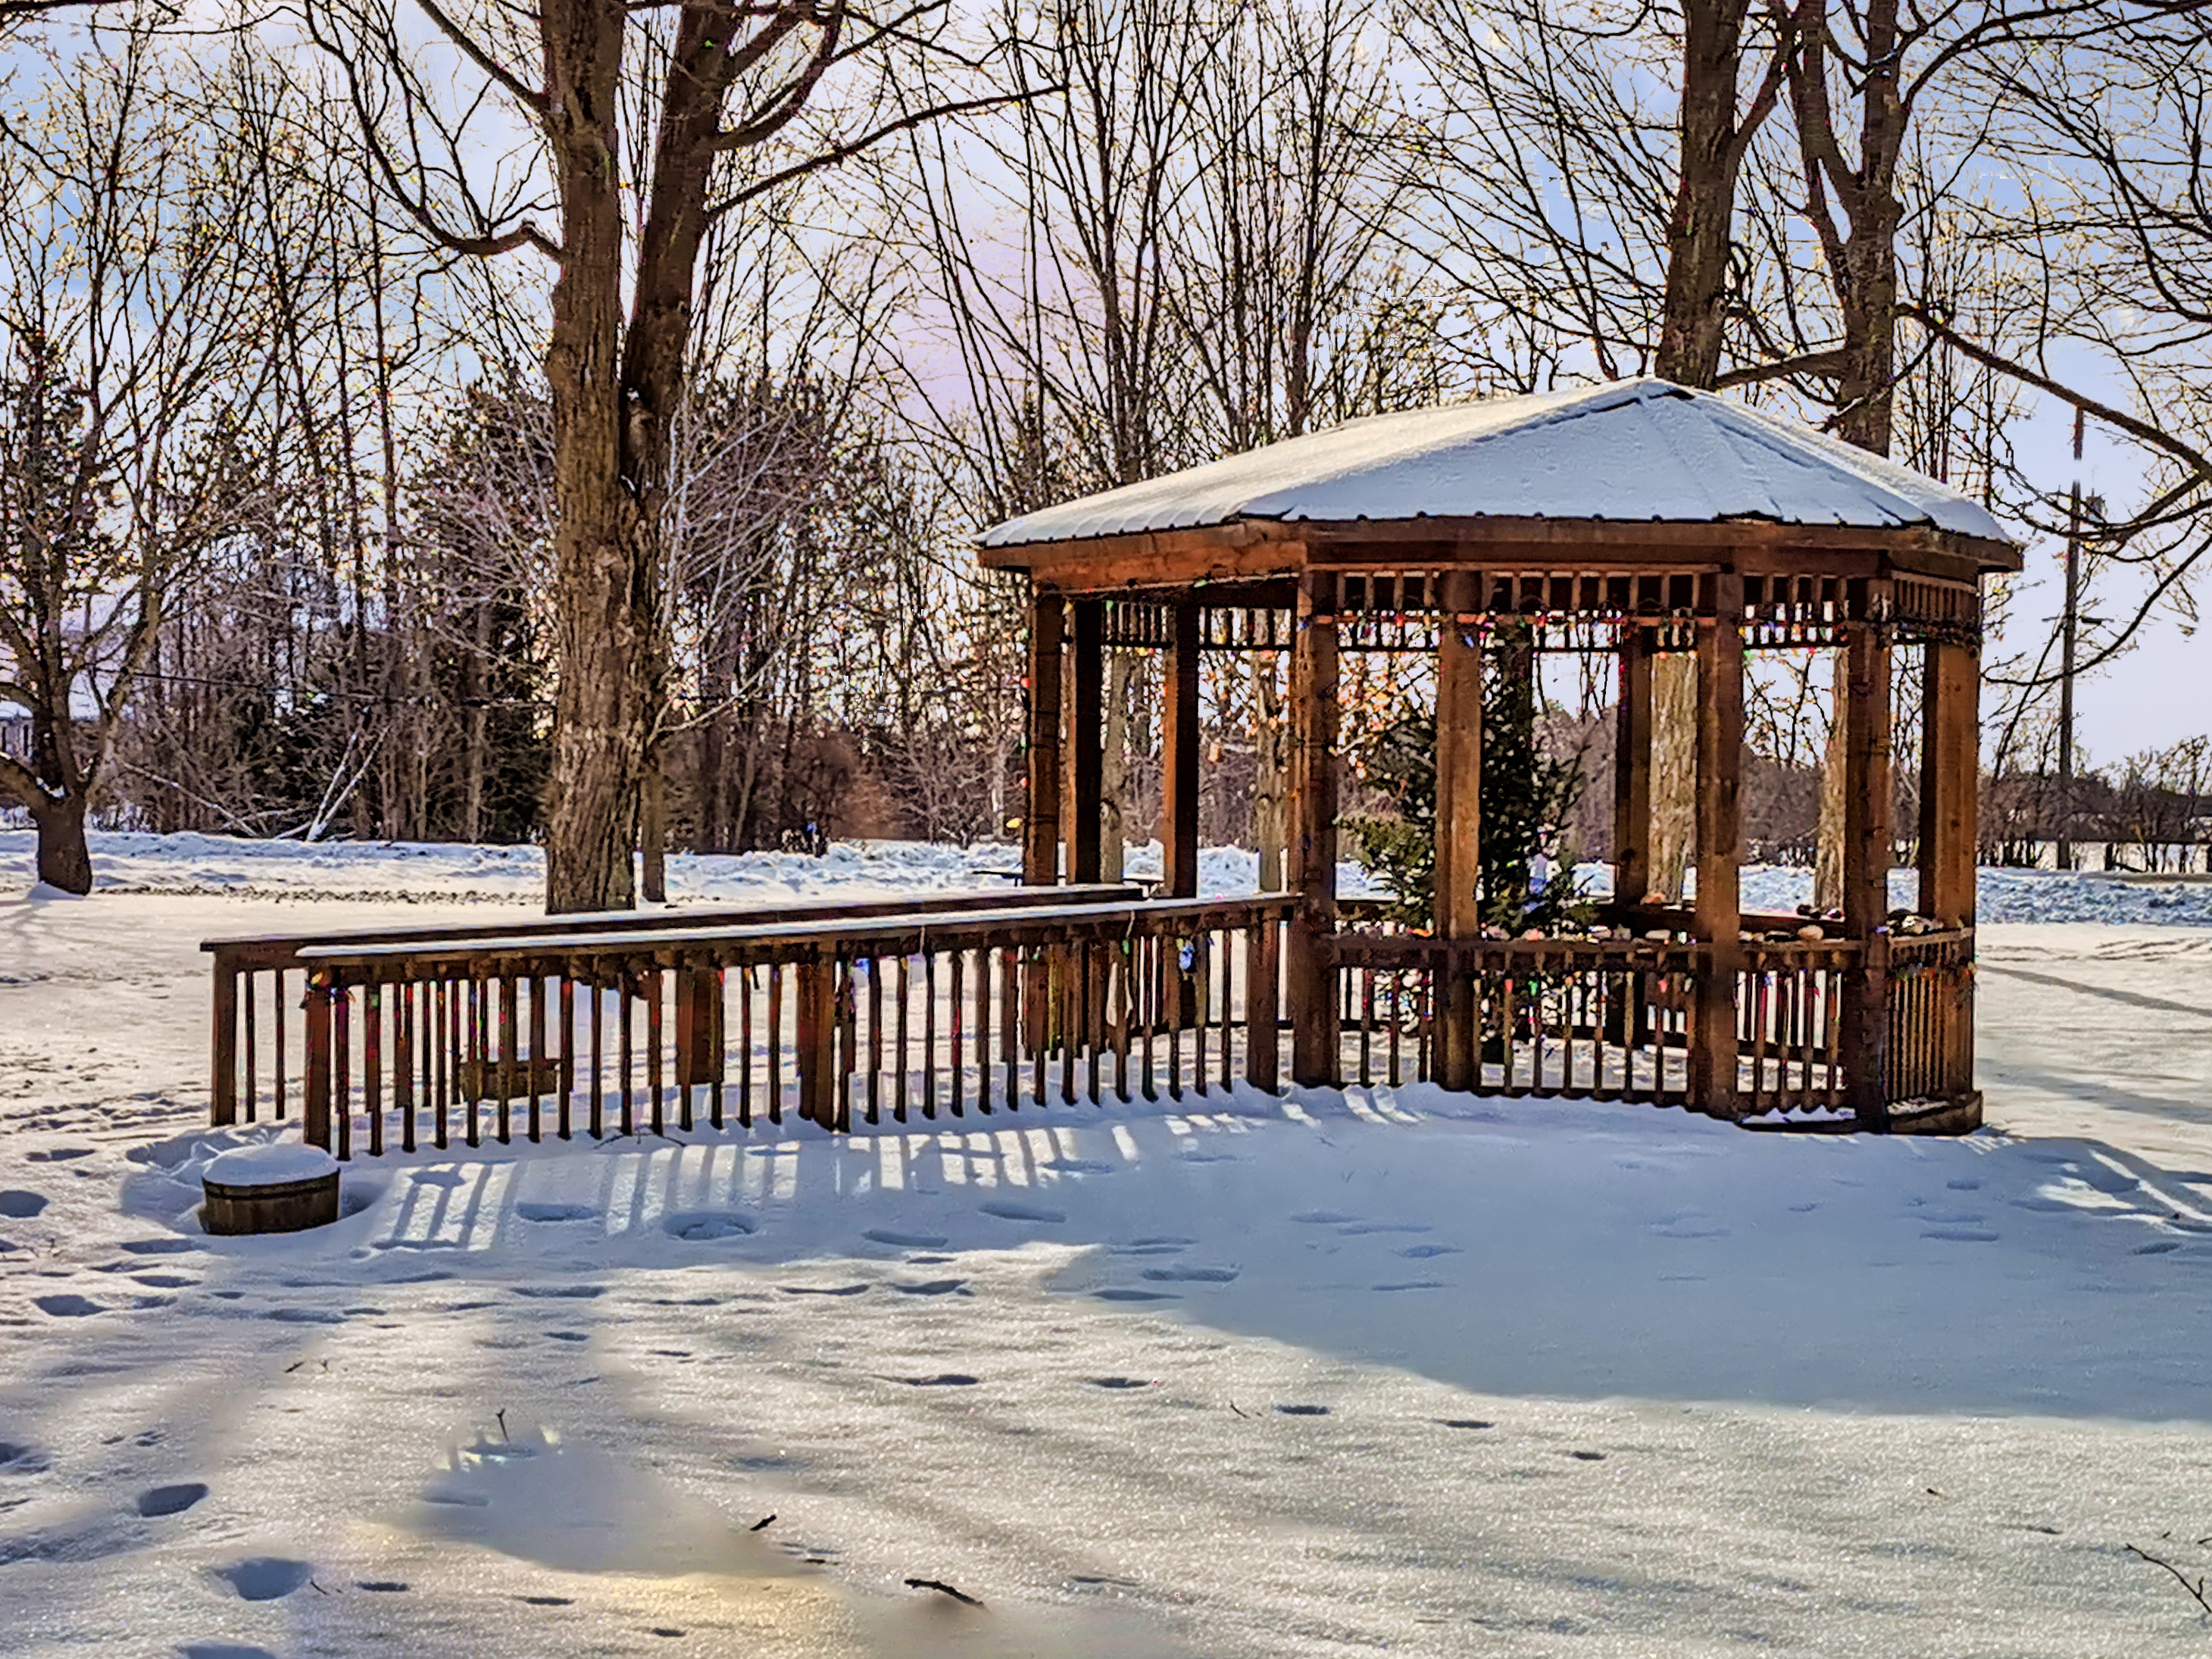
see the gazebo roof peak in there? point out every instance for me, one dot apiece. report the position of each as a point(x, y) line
point(1636, 450)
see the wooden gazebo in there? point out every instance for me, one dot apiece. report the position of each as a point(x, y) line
point(1638, 518)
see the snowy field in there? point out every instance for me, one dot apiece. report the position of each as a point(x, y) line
point(1348, 1372)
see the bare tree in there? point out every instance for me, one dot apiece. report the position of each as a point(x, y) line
point(722, 89)
point(123, 315)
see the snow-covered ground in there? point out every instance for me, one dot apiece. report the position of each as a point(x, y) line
point(1254, 1377)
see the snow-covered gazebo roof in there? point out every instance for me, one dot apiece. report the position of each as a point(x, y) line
point(1639, 452)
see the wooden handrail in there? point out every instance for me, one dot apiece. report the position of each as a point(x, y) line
point(897, 934)
point(270, 949)
point(240, 958)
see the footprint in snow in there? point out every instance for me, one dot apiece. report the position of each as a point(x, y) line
point(265, 1578)
point(942, 1380)
point(380, 1586)
point(1190, 1276)
point(906, 1241)
point(1323, 1218)
point(932, 1287)
point(567, 1336)
point(1964, 1184)
point(1587, 1456)
point(222, 1650)
point(1115, 1293)
point(556, 1212)
point(1302, 1411)
point(303, 1316)
point(703, 1226)
point(19, 1206)
point(563, 1293)
point(1006, 1211)
point(171, 1500)
point(1467, 1423)
point(68, 1305)
point(59, 1154)
point(1361, 1229)
point(1961, 1235)
point(163, 1281)
point(158, 1246)
point(1415, 1285)
point(2157, 1246)
point(1803, 1209)
point(822, 1290)
point(21, 1460)
point(1426, 1252)
point(1078, 1166)
point(1118, 1382)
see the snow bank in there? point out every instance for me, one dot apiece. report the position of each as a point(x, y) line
point(416, 871)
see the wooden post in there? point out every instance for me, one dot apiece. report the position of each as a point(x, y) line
point(814, 1041)
point(1041, 820)
point(698, 1055)
point(315, 1118)
point(1631, 768)
point(1950, 780)
point(1719, 917)
point(1179, 760)
point(1262, 993)
point(1086, 737)
point(1457, 912)
point(1311, 970)
point(1867, 838)
point(223, 1068)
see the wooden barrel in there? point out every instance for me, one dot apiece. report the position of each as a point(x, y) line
point(277, 1187)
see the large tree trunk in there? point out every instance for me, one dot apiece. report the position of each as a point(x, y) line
point(1674, 774)
point(1270, 770)
point(599, 716)
point(1113, 769)
point(1691, 337)
point(1862, 269)
point(653, 828)
point(1694, 307)
point(65, 856)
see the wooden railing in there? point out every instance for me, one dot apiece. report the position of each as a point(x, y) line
point(1931, 1017)
point(912, 1013)
point(1598, 1019)
point(1615, 1019)
point(1790, 1024)
point(259, 1049)
point(910, 1008)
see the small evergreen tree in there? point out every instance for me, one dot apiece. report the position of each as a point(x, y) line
point(1527, 796)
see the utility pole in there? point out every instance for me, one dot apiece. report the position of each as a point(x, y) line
point(2067, 627)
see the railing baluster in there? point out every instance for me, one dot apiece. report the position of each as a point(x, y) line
point(372, 1064)
point(537, 1075)
point(342, 1068)
point(929, 1034)
point(982, 957)
point(1009, 1023)
point(568, 1083)
point(276, 986)
point(902, 1054)
point(774, 1043)
point(875, 1036)
point(745, 992)
point(956, 1035)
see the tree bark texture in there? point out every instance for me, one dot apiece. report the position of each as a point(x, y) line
point(1674, 773)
